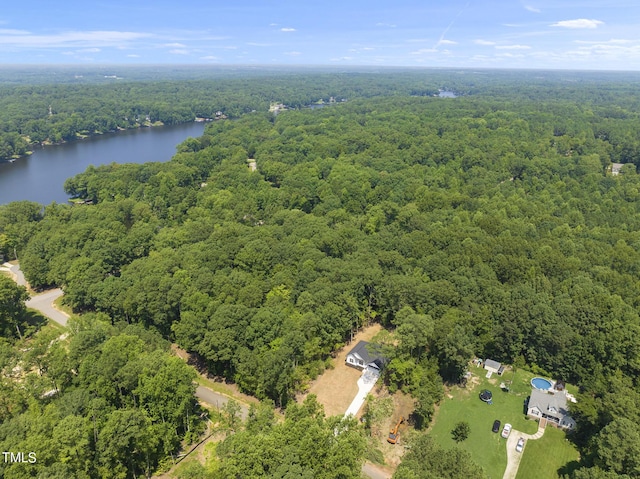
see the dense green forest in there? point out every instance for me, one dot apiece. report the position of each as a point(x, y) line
point(99, 401)
point(484, 225)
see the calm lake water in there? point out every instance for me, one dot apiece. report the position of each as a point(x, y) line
point(41, 176)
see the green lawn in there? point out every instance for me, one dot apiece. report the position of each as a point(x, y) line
point(544, 457)
point(488, 449)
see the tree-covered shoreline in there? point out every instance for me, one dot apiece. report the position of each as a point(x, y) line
point(487, 224)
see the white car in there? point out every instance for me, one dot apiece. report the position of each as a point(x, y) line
point(506, 430)
point(520, 444)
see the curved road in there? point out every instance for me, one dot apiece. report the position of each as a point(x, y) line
point(17, 273)
point(44, 303)
point(41, 302)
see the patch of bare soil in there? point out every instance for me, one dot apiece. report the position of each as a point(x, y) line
point(336, 388)
point(403, 406)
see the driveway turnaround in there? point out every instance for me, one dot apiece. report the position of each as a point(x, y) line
point(514, 457)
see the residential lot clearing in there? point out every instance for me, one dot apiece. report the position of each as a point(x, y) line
point(336, 387)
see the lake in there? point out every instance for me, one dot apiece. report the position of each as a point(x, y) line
point(40, 177)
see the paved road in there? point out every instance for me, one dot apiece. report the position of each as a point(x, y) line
point(374, 472)
point(17, 272)
point(218, 400)
point(44, 303)
point(41, 302)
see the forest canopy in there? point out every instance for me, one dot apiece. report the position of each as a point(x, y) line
point(487, 224)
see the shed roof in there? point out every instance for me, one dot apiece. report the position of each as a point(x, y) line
point(490, 363)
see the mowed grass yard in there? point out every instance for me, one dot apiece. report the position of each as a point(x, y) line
point(548, 457)
point(488, 449)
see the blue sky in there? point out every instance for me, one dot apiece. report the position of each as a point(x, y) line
point(559, 34)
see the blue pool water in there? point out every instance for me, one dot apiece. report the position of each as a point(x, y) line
point(541, 383)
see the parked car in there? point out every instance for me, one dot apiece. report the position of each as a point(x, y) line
point(496, 426)
point(506, 430)
point(520, 444)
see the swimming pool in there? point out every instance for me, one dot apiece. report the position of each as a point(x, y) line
point(541, 383)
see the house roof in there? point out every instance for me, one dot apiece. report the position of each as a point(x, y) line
point(490, 363)
point(368, 352)
point(548, 403)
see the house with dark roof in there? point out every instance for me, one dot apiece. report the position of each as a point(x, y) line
point(365, 355)
point(551, 406)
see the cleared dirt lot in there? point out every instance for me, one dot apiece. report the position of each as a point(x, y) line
point(403, 405)
point(336, 388)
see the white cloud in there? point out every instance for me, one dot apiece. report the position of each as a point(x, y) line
point(254, 44)
point(73, 39)
point(532, 9)
point(510, 55)
point(209, 57)
point(484, 42)
point(9, 31)
point(513, 47)
point(424, 50)
point(447, 42)
point(342, 59)
point(179, 51)
point(174, 45)
point(579, 23)
point(89, 50)
point(615, 41)
point(287, 29)
point(133, 55)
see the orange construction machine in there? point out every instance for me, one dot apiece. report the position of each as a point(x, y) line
point(393, 434)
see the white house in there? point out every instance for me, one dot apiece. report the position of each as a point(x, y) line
point(551, 406)
point(616, 168)
point(365, 355)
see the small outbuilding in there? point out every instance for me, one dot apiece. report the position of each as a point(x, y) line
point(493, 366)
point(364, 355)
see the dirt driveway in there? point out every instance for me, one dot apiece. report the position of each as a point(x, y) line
point(336, 388)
